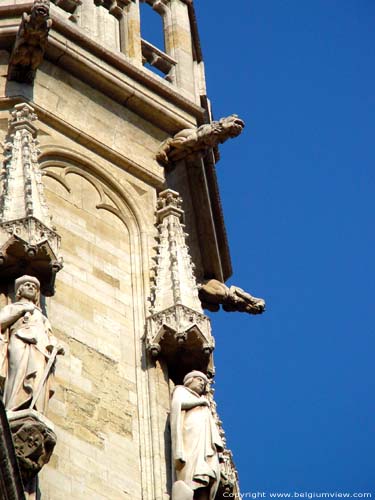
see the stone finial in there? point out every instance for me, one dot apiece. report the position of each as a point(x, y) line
point(188, 142)
point(26, 230)
point(31, 42)
point(214, 293)
point(177, 317)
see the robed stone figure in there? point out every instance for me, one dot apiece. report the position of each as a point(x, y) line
point(195, 441)
point(28, 349)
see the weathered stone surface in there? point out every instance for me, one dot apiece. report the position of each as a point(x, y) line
point(90, 414)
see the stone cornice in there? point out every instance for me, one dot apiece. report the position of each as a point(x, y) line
point(73, 53)
point(145, 94)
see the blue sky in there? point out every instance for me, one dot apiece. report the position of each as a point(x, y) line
point(295, 387)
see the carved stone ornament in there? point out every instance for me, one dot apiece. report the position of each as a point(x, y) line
point(214, 293)
point(177, 329)
point(34, 441)
point(28, 240)
point(31, 42)
point(188, 142)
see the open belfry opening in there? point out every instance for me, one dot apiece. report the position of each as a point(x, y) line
point(112, 246)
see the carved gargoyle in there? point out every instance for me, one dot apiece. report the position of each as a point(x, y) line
point(214, 293)
point(30, 44)
point(194, 140)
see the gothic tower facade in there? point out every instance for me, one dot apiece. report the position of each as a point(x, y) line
point(109, 202)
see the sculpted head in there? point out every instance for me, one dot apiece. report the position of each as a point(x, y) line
point(196, 381)
point(27, 287)
point(232, 125)
point(41, 8)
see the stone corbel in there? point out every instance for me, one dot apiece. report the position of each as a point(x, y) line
point(30, 44)
point(189, 142)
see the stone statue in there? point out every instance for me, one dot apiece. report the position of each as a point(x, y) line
point(189, 141)
point(214, 292)
point(195, 441)
point(31, 41)
point(29, 349)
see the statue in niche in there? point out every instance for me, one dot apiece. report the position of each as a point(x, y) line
point(214, 292)
point(29, 349)
point(196, 442)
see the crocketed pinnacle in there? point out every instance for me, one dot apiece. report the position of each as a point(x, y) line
point(175, 282)
point(22, 194)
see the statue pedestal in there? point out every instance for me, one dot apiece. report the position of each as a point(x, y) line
point(34, 440)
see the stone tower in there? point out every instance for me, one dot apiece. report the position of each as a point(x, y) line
point(109, 204)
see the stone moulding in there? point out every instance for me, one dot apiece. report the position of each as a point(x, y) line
point(188, 142)
point(30, 44)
